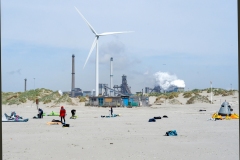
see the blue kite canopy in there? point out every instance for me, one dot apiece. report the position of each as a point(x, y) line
point(225, 109)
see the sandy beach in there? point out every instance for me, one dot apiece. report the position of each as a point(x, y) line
point(129, 136)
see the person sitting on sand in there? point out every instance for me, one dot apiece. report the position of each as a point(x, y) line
point(40, 113)
point(62, 114)
point(73, 111)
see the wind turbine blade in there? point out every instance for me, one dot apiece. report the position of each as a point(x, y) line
point(110, 33)
point(89, 25)
point(93, 45)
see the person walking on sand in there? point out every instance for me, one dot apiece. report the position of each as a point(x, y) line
point(62, 114)
point(111, 110)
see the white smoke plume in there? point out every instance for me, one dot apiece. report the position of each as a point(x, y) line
point(167, 81)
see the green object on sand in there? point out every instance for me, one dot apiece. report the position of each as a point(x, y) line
point(73, 117)
point(44, 114)
point(53, 114)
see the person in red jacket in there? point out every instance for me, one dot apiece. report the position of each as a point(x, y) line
point(62, 114)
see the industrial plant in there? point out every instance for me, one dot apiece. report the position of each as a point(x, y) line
point(159, 89)
point(116, 95)
point(113, 95)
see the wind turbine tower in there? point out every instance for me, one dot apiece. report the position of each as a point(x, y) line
point(95, 43)
point(25, 84)
point(73, 76)
point(111, 75)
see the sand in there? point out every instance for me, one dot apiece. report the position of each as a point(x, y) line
point(129, 136)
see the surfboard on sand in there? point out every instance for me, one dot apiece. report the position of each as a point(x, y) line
point(54, 123)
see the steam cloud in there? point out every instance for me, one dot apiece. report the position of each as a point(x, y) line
point(167, 81)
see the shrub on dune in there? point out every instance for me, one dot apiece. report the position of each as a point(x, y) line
point(47, 101)
point(14, 101)
point(175, 94)
point(82, 99)
point(62, 99)
point(158, 99)
point(171, 96)
point(196, 91)
point(225, 94)
point(174, 101)
point(23, 100)
point(198, 98)
point(187, 95)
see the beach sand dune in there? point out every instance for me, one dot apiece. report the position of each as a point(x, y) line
point(129, 136)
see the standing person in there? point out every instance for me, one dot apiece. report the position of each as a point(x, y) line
point(111, 111)
point(37, 102)
point(62, 114)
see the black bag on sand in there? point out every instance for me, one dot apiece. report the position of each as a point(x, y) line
point(56, 120)
point(66, 125)
point(165, 116)
point(157, 117)
point(152, 120)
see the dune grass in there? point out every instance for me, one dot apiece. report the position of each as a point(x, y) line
point(47, 96)
point(42, 94)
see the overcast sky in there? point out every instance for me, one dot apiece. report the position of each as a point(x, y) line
point(195, 40)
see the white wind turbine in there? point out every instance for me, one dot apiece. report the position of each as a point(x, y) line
point(95, 43)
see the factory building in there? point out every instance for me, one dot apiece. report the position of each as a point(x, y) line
point(158, 89)
point(123, 88)
point(180, 89)
point(102, 89)
point(75, 92)
point(87, 93)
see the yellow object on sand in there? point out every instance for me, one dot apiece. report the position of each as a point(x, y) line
point(234, 116)
point(228, 117)
point(215, 115)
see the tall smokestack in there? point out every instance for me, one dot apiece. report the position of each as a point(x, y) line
point(73, 76)
point(111, 75)
point(25, 85)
